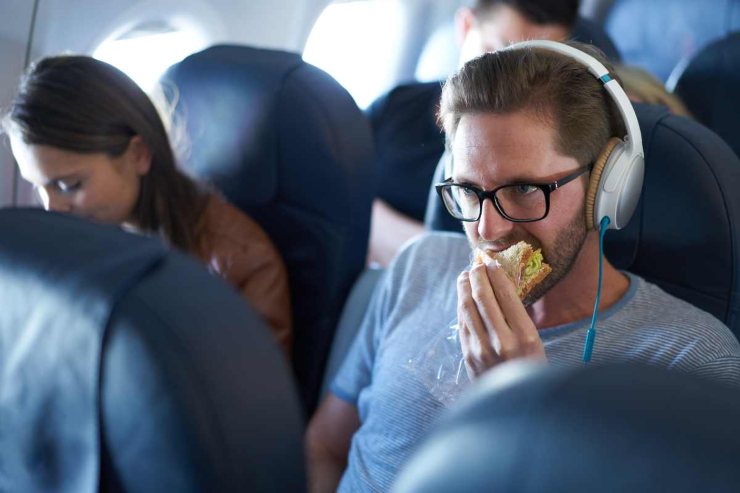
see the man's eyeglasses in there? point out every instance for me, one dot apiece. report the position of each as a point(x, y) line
point(517, 202)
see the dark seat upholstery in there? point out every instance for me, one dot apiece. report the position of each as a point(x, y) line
point(287, 144)
point(125, 367)
point(610, 429)
point(685, 233)
point(588, 31)
point(659, 34)
point(409, 142)
point(709, 87)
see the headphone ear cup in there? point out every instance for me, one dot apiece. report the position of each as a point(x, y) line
point(593, 184)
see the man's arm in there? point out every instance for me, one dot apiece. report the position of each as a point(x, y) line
point(328, 439)
point(389, 230)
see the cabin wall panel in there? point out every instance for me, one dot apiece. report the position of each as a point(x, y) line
point(279, 24)
point(15, 26)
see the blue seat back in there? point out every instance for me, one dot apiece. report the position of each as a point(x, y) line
point(709, 87)
point(286, 143)
point(658, 34)
point(613, 429)
point(588, 31)
point(128, 367)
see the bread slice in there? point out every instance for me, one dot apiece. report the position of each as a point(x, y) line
point(524, 266)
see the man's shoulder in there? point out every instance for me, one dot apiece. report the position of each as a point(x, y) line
point(414, 99)
point(436, 247)
point(413, 93)
point(651, 297)
point(431, 256)
point(679, 319)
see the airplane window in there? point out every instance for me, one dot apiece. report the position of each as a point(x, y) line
point(358, 43)
point(440, 55)
point(146, 52)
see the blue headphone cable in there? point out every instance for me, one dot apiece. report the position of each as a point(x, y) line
point(591, 334)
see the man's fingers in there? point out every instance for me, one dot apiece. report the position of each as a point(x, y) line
point(514, 311)
point(479, 344)
point(491, 313)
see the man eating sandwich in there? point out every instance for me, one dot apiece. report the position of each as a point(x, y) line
point(525, 127)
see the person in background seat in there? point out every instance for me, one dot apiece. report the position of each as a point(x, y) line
point(409, 143)
point(92, 144)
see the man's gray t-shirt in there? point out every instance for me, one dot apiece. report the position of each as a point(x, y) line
point(417, 298)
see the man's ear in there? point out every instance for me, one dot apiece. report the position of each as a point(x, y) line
point(464, 22)
point(140, 155)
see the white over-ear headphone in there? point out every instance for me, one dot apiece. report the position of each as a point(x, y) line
point(616, 177)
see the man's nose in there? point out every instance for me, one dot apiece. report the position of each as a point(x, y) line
point(491, 224)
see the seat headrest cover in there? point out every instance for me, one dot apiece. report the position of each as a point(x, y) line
point(709, 87)
point(659, 34)
point(688, 216)
point(58, 286)
point(587, 31)
point(286, 143)
point(612, 428)
point(228, 97)
point(125, 366)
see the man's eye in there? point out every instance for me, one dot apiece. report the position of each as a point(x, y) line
point(468, 192)
point(525, 189)
point(68, 186)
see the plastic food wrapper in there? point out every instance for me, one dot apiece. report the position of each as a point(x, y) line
point(440, 365)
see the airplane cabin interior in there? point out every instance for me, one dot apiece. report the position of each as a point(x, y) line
point(127, 365)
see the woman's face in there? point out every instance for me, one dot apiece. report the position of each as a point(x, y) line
point(95, 186)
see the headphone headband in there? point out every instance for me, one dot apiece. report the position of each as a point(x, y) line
point(633, 139)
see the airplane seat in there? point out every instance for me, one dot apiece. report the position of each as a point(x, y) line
point(125, 366)
point(708, 86)
point(530, 428)
point(286, 143)
point(659, 34)
point(588, 31)
point(685, 233)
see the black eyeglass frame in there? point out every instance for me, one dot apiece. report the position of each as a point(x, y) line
point(547, 189)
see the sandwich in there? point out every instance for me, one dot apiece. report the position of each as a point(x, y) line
point(524, 265)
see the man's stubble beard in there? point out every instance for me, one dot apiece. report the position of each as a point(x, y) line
point(561, 256)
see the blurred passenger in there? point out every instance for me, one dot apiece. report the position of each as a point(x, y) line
point(92, 144)
point(408, 140)
point(526, 127)
point(642, 87)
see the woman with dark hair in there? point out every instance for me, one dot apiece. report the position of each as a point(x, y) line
point(92, 144)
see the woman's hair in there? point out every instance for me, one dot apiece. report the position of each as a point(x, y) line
point(642, 87)
point(555, 87)
point(80, 104)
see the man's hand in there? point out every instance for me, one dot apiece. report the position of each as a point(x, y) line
point(493, 324)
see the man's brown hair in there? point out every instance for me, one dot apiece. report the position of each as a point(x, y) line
point(554, 87)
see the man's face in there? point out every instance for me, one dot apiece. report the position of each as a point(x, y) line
point(503, 25)
point(491, 150)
